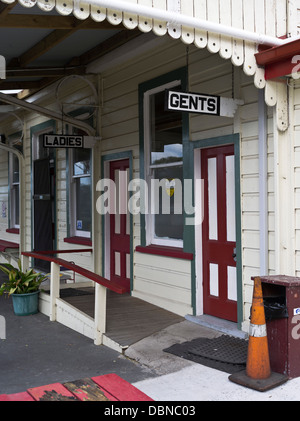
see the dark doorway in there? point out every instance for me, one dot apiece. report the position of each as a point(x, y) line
point(43, 207)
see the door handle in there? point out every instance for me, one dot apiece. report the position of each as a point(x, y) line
point(234, 254)
point(41, 197)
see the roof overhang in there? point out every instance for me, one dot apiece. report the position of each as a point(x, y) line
point(133, 14)
point(9, 99)
point(235, 35)
point(281, 60)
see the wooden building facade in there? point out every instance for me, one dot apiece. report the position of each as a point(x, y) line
point(240, 221)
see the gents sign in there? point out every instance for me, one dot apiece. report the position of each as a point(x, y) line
point(63, 141)
point(192, 102)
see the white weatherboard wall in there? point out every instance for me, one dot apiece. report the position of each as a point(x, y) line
point(80, 93)
point(296, 172)
point(163, 280)
point(215, 76)
point(11, 126)
point(4, 208)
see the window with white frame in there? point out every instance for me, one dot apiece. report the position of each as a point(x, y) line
point(163, 163)
point(80, 192)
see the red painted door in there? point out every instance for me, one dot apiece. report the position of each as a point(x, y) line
point(218, 233)
point(120, 225)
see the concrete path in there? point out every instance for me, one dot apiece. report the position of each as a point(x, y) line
point(37, 352)
point(181, 380)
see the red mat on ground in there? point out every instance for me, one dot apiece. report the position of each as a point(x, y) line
point(109, 387)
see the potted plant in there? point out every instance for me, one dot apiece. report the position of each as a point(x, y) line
point(23, 287)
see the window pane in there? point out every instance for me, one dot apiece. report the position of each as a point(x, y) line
point(166, 132)
point(81, 161)
point(169, 225)
point(16, 204)
point(83, 204)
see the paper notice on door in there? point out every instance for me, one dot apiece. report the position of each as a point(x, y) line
point(296, 311)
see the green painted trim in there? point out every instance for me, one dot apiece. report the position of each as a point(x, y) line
point(20, 148)
point(239, 266)
point(216, 141)
point(68, 192)
point(188, 173)
point(178, 74)
point(90, 121)
point(40, 127)
point(114, 157)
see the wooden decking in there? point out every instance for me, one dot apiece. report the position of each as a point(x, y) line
point(128, 319)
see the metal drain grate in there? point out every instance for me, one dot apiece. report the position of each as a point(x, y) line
point(224, 348)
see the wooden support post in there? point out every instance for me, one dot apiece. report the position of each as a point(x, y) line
point(54, 290)
point(24, 262)
point(22, 201)
point(100, 313)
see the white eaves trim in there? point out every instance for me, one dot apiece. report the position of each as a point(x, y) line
point(175, 19)
point(232, 28)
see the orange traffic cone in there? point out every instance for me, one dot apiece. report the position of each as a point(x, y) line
point(258, 362)
point(258, 374)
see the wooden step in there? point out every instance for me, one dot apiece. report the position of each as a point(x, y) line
point(108, 387)
point(87, 390)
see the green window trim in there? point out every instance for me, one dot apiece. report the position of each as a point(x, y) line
point(176, 75)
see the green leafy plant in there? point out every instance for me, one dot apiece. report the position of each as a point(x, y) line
point(20, 282)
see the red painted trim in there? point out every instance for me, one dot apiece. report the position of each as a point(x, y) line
point(79, 240)
point(120, 388)
point(278, 60)
point(276, 54)
point(278, 69)
point(50, 252)
point(119, 242)
point(13, 230)
point(7, 245)
point(217, 251)
point(114, 286)
point(175, 252)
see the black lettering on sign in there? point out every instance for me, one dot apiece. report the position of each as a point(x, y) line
point(192, 102)
point(63, 141)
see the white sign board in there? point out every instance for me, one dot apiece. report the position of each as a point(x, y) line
point(201, 103)
point(192, 102)
point(63, 141)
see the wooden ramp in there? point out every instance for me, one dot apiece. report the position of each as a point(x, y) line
point(109, 387)
point(129, 319)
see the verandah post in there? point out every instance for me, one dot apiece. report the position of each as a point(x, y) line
point(24, 262)
point(100, 314)
point(54, 290)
